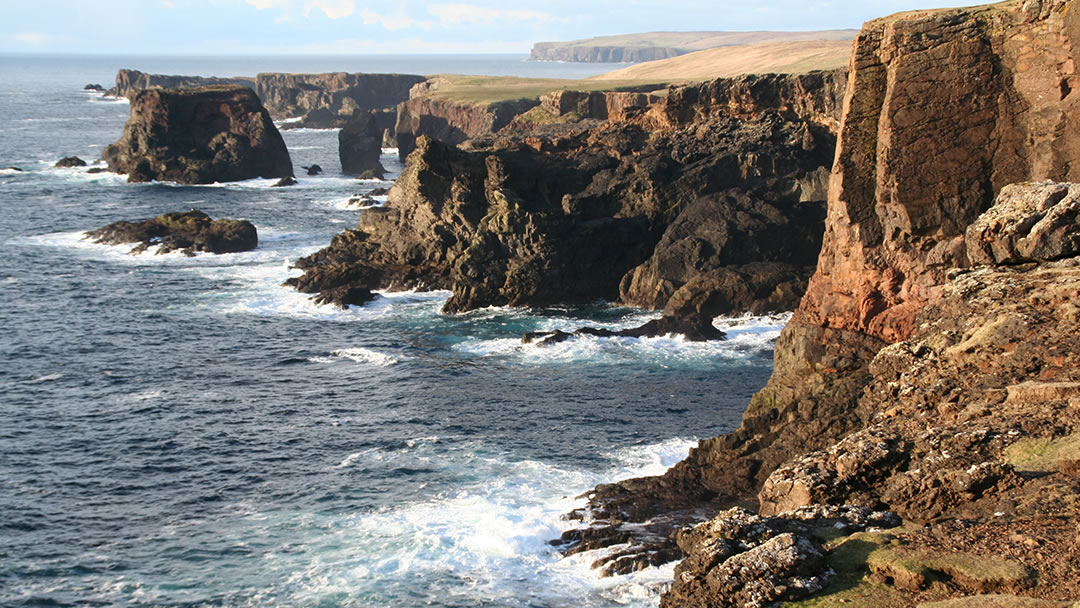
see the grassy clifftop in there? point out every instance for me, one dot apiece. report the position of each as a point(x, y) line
point(722, 62)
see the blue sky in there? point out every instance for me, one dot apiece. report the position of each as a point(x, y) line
point(212, 27)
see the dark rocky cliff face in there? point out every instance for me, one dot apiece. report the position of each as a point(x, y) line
point(543, 219)
point(199, 136)
point(129, 82)
point(451, 122)
point(943, 109)
point(291, 95)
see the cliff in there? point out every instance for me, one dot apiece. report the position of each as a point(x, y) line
point(943, 109)
point(198, 136)
point(293, 95)
point(536, 218)
point(129, 82)
point(452, 122)
point(652, 46)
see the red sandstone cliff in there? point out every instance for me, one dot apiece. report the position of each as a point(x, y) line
point(942, 110)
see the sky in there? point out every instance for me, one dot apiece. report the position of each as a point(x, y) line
point(280, 27)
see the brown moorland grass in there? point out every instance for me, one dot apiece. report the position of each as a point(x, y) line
point(722, 62)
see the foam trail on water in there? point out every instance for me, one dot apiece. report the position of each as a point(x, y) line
point(484, 544)
point(358, 355)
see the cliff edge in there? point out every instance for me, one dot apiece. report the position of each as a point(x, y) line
point(943, 109)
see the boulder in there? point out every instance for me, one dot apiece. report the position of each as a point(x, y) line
point(188, 232)
point(360, 145)
point(199, 136)
point(1034, 222)
point(313, 169)
point(285, 181)
point(70, 161)
point(94, 87)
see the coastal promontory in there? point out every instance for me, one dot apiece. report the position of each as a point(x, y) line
point(930, 370)
point(199, 136)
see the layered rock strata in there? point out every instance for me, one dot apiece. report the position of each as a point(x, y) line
point(199, 136)
point(340, 93)
point(451, 122)
point(943, 110)
point(360, 145)
point(130, 82)
point(188, 232)
point(568, 218)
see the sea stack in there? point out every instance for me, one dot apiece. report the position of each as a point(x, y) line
point(360, 145)
point(203, 135)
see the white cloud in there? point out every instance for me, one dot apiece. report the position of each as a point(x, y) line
point(451, 15)
point(168, 4)
point(334, 9)
point(393, 23)
point(265, 4)
point(33, 38)
point(404, 45)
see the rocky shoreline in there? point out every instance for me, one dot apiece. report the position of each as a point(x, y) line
point(930, 369)
point(918, 443)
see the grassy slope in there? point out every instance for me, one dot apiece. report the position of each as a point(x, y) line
point(780, 57)
point(491, 89)
point(695, 41)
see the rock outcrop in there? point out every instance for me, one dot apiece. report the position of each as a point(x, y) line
point(360, 145)
point(548, 51)
point(451, 122)
point(187, 232)
point(294, 95)
point(570, 217)
point(943, 110)
point(129, 82)
point(199, 136)
point(70, 161)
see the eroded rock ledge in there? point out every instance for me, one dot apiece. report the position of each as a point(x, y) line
point(713, 215)
point(967, 424)
point(188, 232)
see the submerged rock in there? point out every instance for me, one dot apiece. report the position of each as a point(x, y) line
point(285, 181)
point(188, 232)
point(94, 87)
point(313, 169)
point(70, 161)
point(693, 327)
point(199, 136)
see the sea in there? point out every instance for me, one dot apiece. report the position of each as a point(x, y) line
point(185, 431)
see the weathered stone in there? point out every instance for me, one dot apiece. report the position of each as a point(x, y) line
point(70, 161)
point(188, 232)
point(360, 145)
point(199, 136)
point(1028, 223)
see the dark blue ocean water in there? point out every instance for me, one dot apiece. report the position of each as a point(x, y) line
point(186, 432)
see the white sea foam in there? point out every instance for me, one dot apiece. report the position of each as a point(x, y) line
point(486, 543)
point(747, 336)
point(10, 171)
point(45, 378)
point(360, 355)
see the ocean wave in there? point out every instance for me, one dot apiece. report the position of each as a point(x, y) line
point(493, 533)
point(45, 378)
point(359, 355)
point(748, 336)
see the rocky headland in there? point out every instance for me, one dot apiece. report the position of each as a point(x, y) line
point(199, 136)
point(653, 46)
point(130, 82)
point(681, 204)
point(187, 232)
point(931, 368)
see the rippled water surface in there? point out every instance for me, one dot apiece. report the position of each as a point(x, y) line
point(183, 431)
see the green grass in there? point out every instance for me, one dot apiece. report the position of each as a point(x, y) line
point(495, 89)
